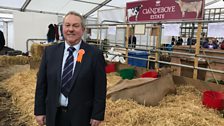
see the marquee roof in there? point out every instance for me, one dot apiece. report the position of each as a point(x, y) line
point(85, 7)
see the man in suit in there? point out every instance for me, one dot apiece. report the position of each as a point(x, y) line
point(78, 100)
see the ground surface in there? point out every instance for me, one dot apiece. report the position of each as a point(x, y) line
point(8, 112)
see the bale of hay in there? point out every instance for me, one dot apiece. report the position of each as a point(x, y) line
point(36, 52)
point(35, 62)
point(113, 79)
point(13, 60)
point(37, 49)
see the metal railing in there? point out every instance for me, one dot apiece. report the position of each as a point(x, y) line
point(32, 40)
point(174, 64)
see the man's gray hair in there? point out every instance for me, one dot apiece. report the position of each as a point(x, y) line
point(76, 14)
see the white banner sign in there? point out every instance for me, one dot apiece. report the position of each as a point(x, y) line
point(215, 30)
point(112, 30)
point(171, 30)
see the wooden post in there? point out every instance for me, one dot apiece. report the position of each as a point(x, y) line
point(158, 33)
point(149, 52)
point(126, 43)
point(197, 49)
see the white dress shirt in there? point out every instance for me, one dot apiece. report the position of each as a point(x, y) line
point(63, 101)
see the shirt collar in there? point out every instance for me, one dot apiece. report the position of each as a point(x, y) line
point(77, 46)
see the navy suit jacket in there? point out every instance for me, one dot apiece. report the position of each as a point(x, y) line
point(88, 95)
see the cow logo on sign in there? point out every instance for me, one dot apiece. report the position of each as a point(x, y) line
point(189, 7)
point(158, 2)
point(134, 11)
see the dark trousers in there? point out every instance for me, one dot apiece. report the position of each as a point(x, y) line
point(62, 117)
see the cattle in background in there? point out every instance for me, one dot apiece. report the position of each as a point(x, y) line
point(190, 7)
point(134, 11)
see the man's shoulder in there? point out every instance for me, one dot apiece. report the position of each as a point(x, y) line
point(89, 47)
point(55, 45)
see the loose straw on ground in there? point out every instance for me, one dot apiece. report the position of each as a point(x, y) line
point(184, 108)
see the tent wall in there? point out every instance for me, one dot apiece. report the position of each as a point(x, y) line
point(10, 35)
point(30, 25)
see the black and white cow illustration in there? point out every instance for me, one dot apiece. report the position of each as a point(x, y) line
point(134, 11)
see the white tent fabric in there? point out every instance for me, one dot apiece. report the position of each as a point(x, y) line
point(111, 15)
point(63, 6)
point(12, 3)
point(219, 4)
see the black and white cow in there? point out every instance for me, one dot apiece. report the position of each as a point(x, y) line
point(134, 11)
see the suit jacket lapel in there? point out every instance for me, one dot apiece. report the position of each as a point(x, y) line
point(59, 55)
point(79, 65)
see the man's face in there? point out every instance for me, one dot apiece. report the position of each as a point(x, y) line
point(72, 29)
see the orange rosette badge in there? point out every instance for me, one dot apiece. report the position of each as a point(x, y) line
point(81, 52)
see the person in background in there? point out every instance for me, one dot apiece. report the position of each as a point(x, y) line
point(56, 32)
point(132, 41)
point(173, 41)
point(210, 45)
point(71, 82)
point(51, 33)
point(189, 41)
point(61, 32)
point(205, 43)
point(179, 41)
point(215, 43)
point(222, 45)
point(2, 40)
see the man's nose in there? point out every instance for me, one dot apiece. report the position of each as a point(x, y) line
point(70, 28)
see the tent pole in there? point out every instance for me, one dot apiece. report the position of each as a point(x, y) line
point(126, 42)
point(197, 49)
point(158, 42)
point(96, 8)
point(211, 2)
point(23, 8)
point(34, 11)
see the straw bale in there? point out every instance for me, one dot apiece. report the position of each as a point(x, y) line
point(13, 60)
point(38, 49)
point(36, 52)
point(35, 62)
point(113, 79)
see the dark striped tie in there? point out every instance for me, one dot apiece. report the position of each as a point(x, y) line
point(67, 72)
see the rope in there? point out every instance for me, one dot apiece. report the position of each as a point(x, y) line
point(207, 60)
